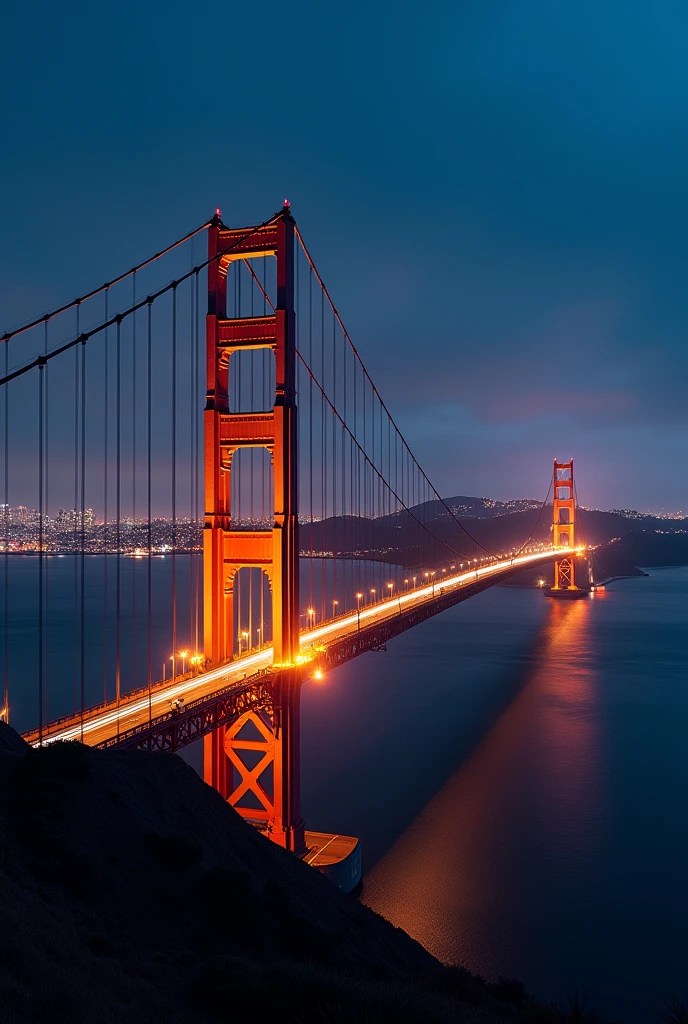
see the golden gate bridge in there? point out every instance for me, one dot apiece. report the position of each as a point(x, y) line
point(322, 536)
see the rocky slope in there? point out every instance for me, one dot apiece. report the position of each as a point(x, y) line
point(131, 891)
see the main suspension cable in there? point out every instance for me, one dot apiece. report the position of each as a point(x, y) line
point(537, 521)
point(82, 338)
point(380, 399)
point(103, 287)
point(367, 458)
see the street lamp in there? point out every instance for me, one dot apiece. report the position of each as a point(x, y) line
point(432, 577)
point(372, 591)
point(184, 655)
point(391, 594)
point(406, 584)
point(172, 658)
point(311, 617)
point(334, 605)
point(414, 582)
point(358, 598)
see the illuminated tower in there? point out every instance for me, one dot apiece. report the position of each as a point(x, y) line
point(226, 550)
point(266, 793)
point(564, 519)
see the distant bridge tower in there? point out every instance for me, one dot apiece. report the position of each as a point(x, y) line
point(267, 792)
point(564, 524)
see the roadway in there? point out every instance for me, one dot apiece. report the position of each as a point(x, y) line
point(107, 721)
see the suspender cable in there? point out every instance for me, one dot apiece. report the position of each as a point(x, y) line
point(135, 531)
point(300, 446)
point(375, 472)
point(373, 486)
point(87, 335)
point(106, 389)
point(362, 476)
point(197, 458)
point(149, 580)
point(375, 391)
point(346, 565)
point(355, 497)
point(78, 531)
point(238, 364)
point(82, 609)
point(578, 515)
point(46, 507)
point(174, 470)
point(266, 356)
point(323, 470)
point(118, 534)
point(192, 464)
point(251, 572)
point(310, 435)
point(41, 370)
point(6, 609)
point(537, 521)
point(108, 284)
point(334, 474)
point(75, 537)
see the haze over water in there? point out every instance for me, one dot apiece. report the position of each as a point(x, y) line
point(516, 771)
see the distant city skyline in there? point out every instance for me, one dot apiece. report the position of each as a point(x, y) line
point(69, 519)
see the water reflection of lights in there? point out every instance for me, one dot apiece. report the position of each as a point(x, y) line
point(460, 874)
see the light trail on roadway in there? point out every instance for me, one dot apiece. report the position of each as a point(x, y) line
point(108, 722)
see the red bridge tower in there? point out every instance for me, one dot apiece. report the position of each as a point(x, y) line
point(563, 531)
point(273, 733)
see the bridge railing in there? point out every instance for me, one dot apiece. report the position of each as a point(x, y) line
point(176, 728)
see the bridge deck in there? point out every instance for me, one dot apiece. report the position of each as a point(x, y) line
point(338, 640)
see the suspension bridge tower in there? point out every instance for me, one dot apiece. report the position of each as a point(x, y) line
point(255, 762)
point(273, 735)
point(563, 533)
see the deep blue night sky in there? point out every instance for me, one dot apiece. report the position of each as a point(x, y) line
point(495, 192)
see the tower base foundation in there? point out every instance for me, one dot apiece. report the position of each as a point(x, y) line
point(336, 857)
point(567, 595)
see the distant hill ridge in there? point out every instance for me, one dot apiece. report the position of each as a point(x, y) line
point(464, 526)
point(466, 507)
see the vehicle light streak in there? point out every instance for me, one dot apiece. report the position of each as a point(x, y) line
point(391, 607)
point(235, 671)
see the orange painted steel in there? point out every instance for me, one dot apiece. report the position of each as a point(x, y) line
point(274, 551)
point(563, 525)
